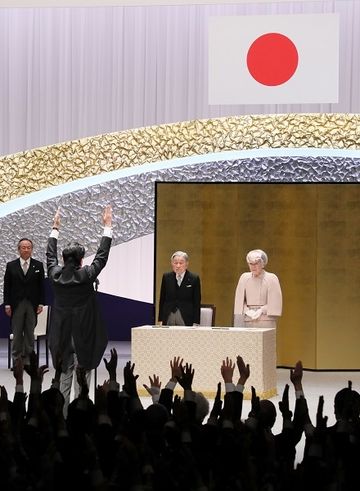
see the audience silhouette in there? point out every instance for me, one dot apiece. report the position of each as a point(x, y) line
point(176, 443)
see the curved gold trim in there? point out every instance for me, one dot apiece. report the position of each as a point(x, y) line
point(57, 164)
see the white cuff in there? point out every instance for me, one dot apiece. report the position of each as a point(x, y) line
point(170, 385)
point(54, 233)
point(155, 398)
point(107, 232)
point(229, 387)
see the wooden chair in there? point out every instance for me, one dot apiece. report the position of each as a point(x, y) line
point(207, 314)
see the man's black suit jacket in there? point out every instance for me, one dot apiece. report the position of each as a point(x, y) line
point(75, 313)
point(186, 297)
point(18, 286)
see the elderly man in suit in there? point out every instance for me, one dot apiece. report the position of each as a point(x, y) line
point(23, 298)
point(78, 336)
point(180, 294)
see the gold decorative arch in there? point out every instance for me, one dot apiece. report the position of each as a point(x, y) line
point(39, 168)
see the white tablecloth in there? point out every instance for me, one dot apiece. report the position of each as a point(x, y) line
point(153, 347)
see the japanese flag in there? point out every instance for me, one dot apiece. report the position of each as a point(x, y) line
point(274, 59)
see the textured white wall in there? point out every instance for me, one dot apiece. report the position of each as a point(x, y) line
point(129, 272)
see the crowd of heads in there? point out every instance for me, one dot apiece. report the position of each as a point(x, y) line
point(179, 441)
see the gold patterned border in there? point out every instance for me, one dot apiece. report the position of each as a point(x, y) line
point(268, 394)
point(65, 162)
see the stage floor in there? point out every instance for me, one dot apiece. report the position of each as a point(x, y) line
point(314, 383)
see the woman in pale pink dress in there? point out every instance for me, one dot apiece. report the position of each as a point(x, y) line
point(258, 297)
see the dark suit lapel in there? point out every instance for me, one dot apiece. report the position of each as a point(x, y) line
point(19, 270)
point(184, 280)
point(32, 268)
point(174, 284)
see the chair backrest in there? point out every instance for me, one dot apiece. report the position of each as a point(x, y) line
point(207, 314)
point(42, 322)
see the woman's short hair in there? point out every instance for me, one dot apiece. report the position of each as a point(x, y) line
point(73, 252)
point(257, 255)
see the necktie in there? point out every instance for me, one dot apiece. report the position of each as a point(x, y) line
point(25, 267)
point(178, 277)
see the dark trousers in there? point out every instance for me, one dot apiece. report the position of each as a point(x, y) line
point(23, 322)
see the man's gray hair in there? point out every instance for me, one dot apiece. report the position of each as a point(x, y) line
point(180, 254)
point(257, 255)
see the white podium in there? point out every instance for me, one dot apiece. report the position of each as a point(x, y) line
point(153, 347)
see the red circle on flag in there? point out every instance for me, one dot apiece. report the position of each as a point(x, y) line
point(272, 59)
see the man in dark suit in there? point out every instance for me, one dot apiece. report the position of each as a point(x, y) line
point(180, 294)
point(23, 298)
point(77, 334)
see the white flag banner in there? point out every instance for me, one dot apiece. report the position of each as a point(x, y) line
point(274, 59)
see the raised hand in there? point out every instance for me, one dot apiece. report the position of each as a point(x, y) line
point(56, 221)
point(3, 400)
point(81, 379)
point(321, 421)
point(186, 378)
point(296, 376)
point(284, 404)
point(244, 370)
point(58, 367)
point(19, 371)
point(130, 379)
point(227, 370)
point(33, 369)
point(155, 385)
point(107, 216)
point(111, 365)
point(216, 409)
point(101, 397)
point(255, 404)
point(176, 365)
